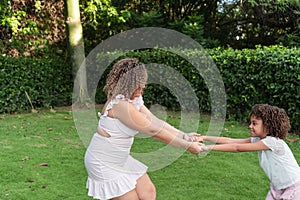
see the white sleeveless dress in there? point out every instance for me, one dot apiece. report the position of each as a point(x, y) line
point(111, 170)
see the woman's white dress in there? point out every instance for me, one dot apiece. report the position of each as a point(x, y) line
point(111, 170)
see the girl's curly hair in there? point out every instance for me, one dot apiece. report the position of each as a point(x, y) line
point(126, 76)
point(274, 119)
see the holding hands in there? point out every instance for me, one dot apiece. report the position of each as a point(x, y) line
point(196, 141)
point(195, 147)
point(193, 137)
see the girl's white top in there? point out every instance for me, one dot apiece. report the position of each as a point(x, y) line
point(278, 163)
point(111, 170)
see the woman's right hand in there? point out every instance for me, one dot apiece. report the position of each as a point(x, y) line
point(195, 147)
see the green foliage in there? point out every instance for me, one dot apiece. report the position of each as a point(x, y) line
point(148, 19)
point(251, 76)
point(47, 81)
point(191, 26)
point(161, 94)
point(264, 22)
point(100, 20)
point(262, 75)
point(290, 39)
point(13, 21)
point(29, 28)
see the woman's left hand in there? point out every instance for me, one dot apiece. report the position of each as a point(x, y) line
point(193, 137)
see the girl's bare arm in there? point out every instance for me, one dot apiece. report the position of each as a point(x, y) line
point(226, 140)
point(236, 147)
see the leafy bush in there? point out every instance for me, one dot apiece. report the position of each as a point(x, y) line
point(47, 82)
point(263, 75)
point(32, 28)
point(251, 76)
point(159, 91)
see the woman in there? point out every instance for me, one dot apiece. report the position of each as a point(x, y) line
point(112, 172)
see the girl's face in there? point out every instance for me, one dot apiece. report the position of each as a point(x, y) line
point(138, 92)
point(256, 128)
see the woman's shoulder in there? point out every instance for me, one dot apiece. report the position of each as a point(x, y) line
point(111, 103)
point(137, 101)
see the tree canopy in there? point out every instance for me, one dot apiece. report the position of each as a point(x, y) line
point(35, 27)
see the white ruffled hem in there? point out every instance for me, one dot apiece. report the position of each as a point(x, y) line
point(113, 188)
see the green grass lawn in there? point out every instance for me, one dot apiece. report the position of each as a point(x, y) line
point(41, 157)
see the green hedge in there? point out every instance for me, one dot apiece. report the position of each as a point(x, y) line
point(262, 75)
point(48, 82)
point(159, 93)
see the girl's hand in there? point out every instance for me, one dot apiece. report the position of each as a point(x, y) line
point(193, 137)
point(195, 147)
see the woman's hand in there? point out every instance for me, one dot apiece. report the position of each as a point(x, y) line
point(193, 137)
point(195, 147)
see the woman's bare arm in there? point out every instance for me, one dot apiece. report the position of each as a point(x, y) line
point(141, 122)
point(187, 136)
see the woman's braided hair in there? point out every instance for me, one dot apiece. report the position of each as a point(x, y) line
point(274, 119)
point(126, 76)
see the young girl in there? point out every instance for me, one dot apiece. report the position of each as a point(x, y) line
point(269, 126)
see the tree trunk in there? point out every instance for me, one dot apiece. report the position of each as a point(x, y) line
point(76, 51)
